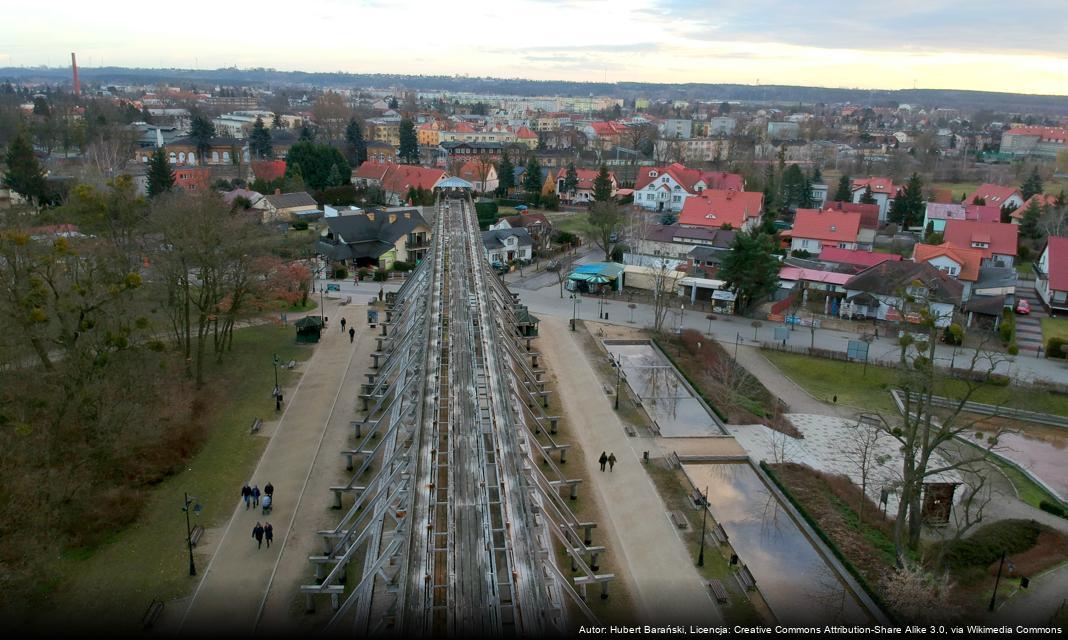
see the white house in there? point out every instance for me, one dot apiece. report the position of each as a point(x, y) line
point(1051, 275)
point(883, 192)
point(502, 246)
point(667, 188)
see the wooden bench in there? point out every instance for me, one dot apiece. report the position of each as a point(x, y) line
point(152, 613)
point(195, 535)
point(607, 389)
point(745, 578)
point(291, 364)
point(256, 424)
point(630, 431)
point(679, 520)
point(718, 591)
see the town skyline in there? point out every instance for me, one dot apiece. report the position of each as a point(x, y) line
point(922, 45)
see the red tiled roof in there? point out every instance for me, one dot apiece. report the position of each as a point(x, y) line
point(1052, 134)
point(878, 185)
point(982, 212)
point(831, 226)
point(717, 207)
point(1057, 246)
point(372, 170)
point(401, 177)
point(869, 213)
point(585, 177)
point(814, 275)
point(463, 127)
point(855, 257)
point(1043, 200)
point(994, 194)
point(968, 259)
point(525, 133)
point(607, 128)
point(1002, 238)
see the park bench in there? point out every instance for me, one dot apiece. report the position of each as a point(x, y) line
point(152, 613)
point(679, 520)
point(718, 590)
point(745, 578)
point(195, 535)
point(607, 389)
point(630, 431)
point(256, 424)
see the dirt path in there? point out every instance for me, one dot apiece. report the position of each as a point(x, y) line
point(665, 581)
point(235, 582)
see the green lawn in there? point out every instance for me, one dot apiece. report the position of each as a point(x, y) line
point(1054, 328)
point(149, 559)
point(826, 378)
point(1023, 269)
point(576, 223)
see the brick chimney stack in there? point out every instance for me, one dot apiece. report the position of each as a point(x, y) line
point(74, 67)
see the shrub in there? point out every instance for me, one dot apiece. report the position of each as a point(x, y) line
point(1049, 507)
point(363, 274)
point(403, 266)
point(1024, 252)
point(953, 334)
point(340, 273)
point(551, 202)
point(565, 237)
point(801, 253)
point(1055, 348)
point(301, 225)
point(988, 543)
point(381, 275)
point(1007, 330)
point(1013, 349)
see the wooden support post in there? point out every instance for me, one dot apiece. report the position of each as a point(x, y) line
point(588, 538)
point(574, 491)
point(563, 455)
point(348, 461)
point(335, 601)
point(593, 561)
point(384, 327)
point(374, 356)
point(553, 424)
point(604, 589)
point(309, 603)
point(337, 499)
point(357, 428)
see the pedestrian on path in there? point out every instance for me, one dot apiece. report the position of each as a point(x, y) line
point(246, 495)
point(352, 334)
point(381, 292)
point(268, 490)
point(611, 462)
point(257, 533)
point(267, 502)
point(285, 319)
point(256, 495)
point(342, 326)
point(603, 459)
point(268, 534)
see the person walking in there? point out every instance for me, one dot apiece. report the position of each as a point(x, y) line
point(256, 495)
point(268, 534)
point(267, 502)
point(611, 462)
point(603, 459)
point(342, 326)
point(246, 495)
point(352, 334)
point(257, 533)
point(268, 490)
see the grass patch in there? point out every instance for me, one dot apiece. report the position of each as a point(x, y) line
point(576, 223)
point(1023, 269)
point(117, 579)
point(824, 379)
point(1054, 328)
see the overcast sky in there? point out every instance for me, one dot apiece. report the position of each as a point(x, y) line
point(994, 45)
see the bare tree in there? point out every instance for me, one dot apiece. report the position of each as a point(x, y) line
point(607, 221)
point(861, 447)
point(918, 596)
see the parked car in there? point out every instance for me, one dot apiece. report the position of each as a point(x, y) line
point(1023, 307)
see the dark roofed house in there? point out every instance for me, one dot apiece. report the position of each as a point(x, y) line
point(290, 206)
point(880, 292)
point(502, 246)
point(376, 238)
point(536, 224)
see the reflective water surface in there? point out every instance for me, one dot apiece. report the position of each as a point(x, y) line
point(795, 580)
point(1042, 450)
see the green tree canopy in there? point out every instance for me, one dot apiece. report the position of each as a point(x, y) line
point(602, 185)
point(160, 175)
point(1033, 184)
point(409, 143)
point(505, 174)
point(201, 132)
point(751, 268)
point(315, 162)
point(867, 197)
point(1029, 222)
point(259, 140)
point(357, 144)
point(532, 177)
point(24, 174)
point(844, 193)
point(571, 179)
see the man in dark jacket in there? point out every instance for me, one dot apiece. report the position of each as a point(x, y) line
point(246, 495)
point(257, 533)
point(268, 533)
point(603, 459)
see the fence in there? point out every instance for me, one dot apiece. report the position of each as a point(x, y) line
point(993, 410)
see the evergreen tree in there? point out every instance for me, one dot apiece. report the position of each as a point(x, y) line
point(160, 175)
point(505, 174)
point(24, 174)
point(571, 179)
point(354, 136)
point(1029, 223)
point(898, 213)
point(201, 132)
point(914, 203)
point(259, 140)
point(532, 177)
point(333, 179)
point(602, 185)
point(392, 104)
point(844, 193)
point(817, 175)
point(409, 143)
point(751, 268)
point(306, 134)
point(1033, 185)
point(316, 162)
point(294, 178)
point(1061, 200)
point(866, 197)
point(278, 123)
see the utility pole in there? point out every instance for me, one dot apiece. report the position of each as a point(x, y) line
point(997, 580)
point(189, 531)
point(704, 524)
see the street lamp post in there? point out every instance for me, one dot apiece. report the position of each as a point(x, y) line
point(189, 530)
point(276, 361)
point(997, 580)
point(737, 340)
point(575, 299)
point(619, 376)
point(704, 524)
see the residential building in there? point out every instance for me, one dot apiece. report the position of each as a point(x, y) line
point(784, 130)
point(814, 229)
point(192, 178)
point(961, 264)
point(584, 191)
point(503, 246)
point(853, 259)
point(694, 149)
point(998, 196)
point(527, 138)
point(377, 238)
point(384, 130)
point(604, 135)
point(719, 208)
point(818, 194)
point(1051, 275)
point(996, 241)
point(238, 123)
point(721, 126)
point(396, 179)
point(1042, 142)
point(183, 152)
point(883, 192)
point(869, 213)
point(1043, 201)
point(898, 291)
point(481, 174)
point(667, 188)
point(448, 152)
point(676, 242)
point(537, 225)
point(936, 214)
point(289, 206)
point(676, 128)
point(381, 151)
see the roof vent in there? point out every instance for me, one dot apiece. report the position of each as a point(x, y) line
point(834, 227)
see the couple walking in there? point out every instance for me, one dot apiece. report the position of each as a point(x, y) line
point(261, 533)
point(610, 460)
point(251, 495)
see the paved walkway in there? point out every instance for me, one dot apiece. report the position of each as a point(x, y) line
point(235, 583)
point(1035, 606)
point(664, 579)
point(774, 380)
